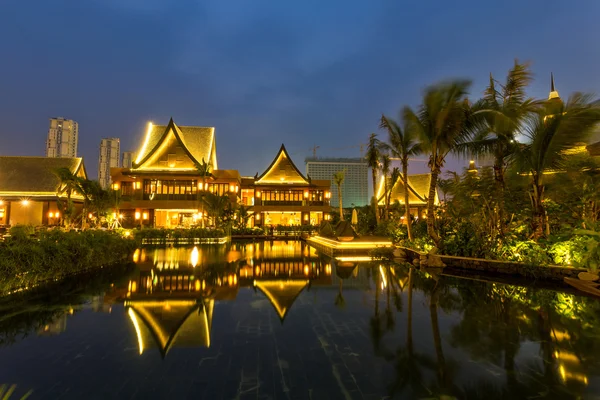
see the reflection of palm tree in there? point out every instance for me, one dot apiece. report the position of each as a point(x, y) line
point(339, 299)
point(376, 331)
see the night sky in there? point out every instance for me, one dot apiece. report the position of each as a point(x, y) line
point(263, 73)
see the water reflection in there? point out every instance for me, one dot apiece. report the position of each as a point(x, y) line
point(386, 330)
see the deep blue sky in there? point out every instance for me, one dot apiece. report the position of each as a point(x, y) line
point(267, 72)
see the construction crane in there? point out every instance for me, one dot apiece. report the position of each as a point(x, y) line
point(314, 150)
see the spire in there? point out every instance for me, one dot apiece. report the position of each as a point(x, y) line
point(553, 92)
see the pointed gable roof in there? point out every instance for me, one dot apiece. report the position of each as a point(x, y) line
point(282, 171)
point(194, 143)
point(418, 188)
point(281, 293)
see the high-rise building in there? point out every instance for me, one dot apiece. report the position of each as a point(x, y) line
point(127, 159)
point(62, 138)
point(110, 151)
point(355, 188)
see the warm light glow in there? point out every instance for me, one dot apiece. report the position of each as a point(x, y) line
point(136, 325)
point(136, 255)
point(120, 216)
point(145, 215)
point(195, 257)
point(383, 278)
point(349, 245)
point(355, 258)
point(306, 194)
point(1, 202)
point(134, 286)
point(327, 194)
point(138, 185)
point(231, 188)
point(137, 215)
point(50, 214)
point(115, 186)
point(258, 217)
point(306, 217)
point(57, 214)
point(114, 215)
point(257, 193)
point(197, 285)
point(90, 215)
point(25, 202)
point(306, 270)
point(143, 151)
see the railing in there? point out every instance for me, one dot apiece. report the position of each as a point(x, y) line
point(289, 203)
point(157, 196)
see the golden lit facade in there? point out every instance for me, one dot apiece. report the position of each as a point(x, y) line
point(282, 195)
point(418, 191)
point(29, 189)
point(163, 186)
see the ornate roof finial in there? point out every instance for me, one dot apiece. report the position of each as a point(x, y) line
point(553, 92)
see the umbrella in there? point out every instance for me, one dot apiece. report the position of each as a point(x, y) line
point(354, 217)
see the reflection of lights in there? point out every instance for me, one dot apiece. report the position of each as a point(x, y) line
point(257, 270)
point(136, 255)
point(566, 356)
point(195, 257)
point(136, 325)
point(203, 284)
point(235, 279)
point(306, 270)
point(328, 269)
point(197, 285)
point(383, 278)
point(561, 335)
point(134, 286)
point(334, 244)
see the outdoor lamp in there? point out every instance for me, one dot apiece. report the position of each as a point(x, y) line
point(137, 215)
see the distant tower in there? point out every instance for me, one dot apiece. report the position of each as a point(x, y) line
point(127, 159)
point(553, 92)
point(110, 151)
point(62, 138)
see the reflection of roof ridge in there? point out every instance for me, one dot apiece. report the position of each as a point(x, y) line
point(276, 299)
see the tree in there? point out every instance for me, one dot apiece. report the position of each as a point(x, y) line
point(204, 170)
point(69, 183)
point(92, 193)
point(373, 156)
point(216, 206)
point(550, 135)
point(441, 122)
point(385, 171)
point(403, 143)
point(498, 118)
point(338, 178)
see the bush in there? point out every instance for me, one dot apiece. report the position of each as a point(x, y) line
point(54, 254)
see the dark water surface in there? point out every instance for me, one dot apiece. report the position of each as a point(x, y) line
point(275, 320)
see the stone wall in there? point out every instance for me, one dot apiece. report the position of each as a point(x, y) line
point(551, 272)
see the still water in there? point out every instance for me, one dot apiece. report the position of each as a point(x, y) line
point(276, 320)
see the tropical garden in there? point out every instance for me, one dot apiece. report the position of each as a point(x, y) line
point(535, 199)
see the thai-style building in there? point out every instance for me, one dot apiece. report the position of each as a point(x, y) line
point(418, 191)
point(282, 195)
point(30, 189)
point(163, 185)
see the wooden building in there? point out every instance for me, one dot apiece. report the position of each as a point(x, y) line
point(30, 189)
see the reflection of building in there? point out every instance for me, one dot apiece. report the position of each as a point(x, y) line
point(281, 195)
point(418, 191)
point(168, 323)
point(356, 178)
point(162, 186)
point(62, 138)
point(29, 188)
point(56, 326)
point(110, 151)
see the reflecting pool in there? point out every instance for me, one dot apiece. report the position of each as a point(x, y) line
point(277, 320)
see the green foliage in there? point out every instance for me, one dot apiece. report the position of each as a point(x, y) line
point(54, 254)
point(392, 229)
point(589, 250)
point(176, 234)
point(526, 251)
point(461, 239)
point(256, 231)
point(382, 253)
point(21, 233)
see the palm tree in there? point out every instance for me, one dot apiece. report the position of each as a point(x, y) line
point(403, 143)
point(373, 156)
point(441, 123)
point(500, 115)
point(385, 171)
point(69, 183)
point(204, 170)
point(560, 127)
point(216, 206)
point(338, 178)
point(91, 192)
